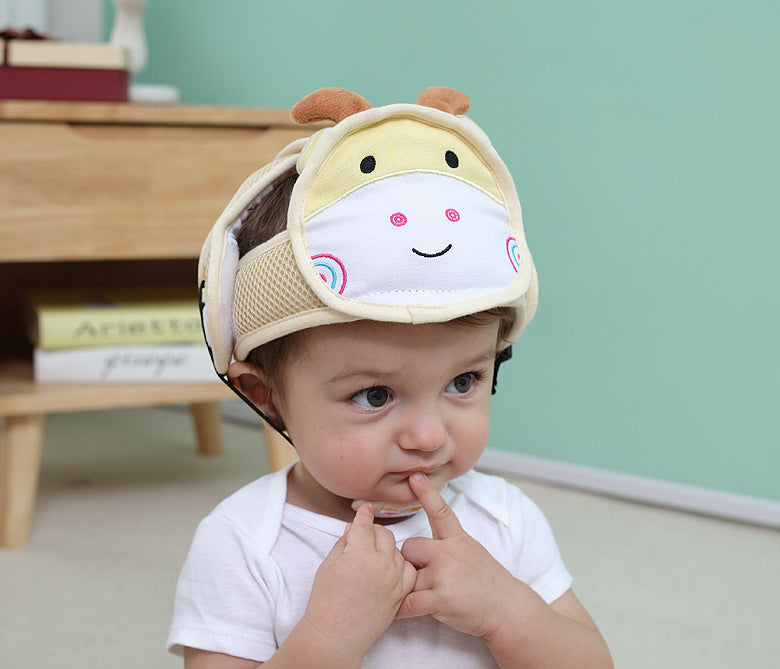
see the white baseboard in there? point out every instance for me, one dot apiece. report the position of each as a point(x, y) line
point(635, 488)
point(682, 496)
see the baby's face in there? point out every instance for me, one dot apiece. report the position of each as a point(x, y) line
point(367, 404)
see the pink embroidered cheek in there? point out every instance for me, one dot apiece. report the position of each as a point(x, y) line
point(452, 215)
point(398, 219)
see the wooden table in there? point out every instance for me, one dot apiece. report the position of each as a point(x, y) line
point(103, 194)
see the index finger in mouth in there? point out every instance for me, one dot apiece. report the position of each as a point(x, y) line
point(444, 523)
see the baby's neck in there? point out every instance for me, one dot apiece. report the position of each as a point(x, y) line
point(303, 490)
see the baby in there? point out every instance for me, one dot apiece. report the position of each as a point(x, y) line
point(359, 292)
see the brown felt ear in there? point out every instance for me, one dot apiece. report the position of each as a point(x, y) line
point(328, 104)
point(446, 99)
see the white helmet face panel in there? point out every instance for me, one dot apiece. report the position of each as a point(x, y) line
point(414, 238)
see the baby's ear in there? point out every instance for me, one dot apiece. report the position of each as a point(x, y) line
point(253, 384)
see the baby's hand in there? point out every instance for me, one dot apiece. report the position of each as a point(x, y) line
point(458, 582)
point(359, 587)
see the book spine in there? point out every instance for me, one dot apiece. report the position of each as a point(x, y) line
point(173, 363)
point(60, 328)
point(63, 83)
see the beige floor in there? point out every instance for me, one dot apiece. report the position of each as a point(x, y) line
point(121, 492)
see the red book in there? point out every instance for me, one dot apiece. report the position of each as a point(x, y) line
point(63, 83)
point(43, 69)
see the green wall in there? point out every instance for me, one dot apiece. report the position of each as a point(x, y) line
point(643, 138)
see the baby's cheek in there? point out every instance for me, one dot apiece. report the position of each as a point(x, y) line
point(472, 438)
point(349, 472)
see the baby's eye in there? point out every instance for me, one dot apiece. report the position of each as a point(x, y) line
point(460, 384)
point(372, 398)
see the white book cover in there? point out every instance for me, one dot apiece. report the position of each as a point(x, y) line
point(53, 53)
point(166, 363)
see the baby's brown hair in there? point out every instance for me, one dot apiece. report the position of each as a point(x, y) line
point(268, 217)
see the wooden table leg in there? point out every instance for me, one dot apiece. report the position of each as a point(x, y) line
point(20, 461)
point(278, 449)
point(207, 427)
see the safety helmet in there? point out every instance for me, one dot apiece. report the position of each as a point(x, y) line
point(401, 213)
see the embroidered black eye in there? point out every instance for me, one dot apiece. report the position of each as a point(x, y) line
point(452, 159)
point(368, 164)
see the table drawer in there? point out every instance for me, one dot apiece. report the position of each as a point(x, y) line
point(73, 191)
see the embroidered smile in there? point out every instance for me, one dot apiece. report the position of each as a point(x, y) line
point(432, 255)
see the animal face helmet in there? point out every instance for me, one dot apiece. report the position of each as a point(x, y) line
point(403, 213)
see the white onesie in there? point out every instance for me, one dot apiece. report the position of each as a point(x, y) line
point(247, 578)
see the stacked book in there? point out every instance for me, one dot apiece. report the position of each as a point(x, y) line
point(118, 336)
point(33, 67)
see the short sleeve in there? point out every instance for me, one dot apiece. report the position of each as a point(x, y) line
point(538, 560)
point(225, 594)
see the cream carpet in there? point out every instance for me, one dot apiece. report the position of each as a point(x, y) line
point(121, 492)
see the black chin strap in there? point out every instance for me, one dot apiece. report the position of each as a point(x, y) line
point(503, 356)
point(226, 380)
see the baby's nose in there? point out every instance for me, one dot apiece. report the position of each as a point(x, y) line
point(424, 431)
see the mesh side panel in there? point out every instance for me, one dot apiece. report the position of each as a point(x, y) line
point(270, 288)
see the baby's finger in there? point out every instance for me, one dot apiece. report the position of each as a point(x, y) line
point(418, 551)
point(424, 580)
point(361, 533)
point(409, 577)
point(443, 521)
point(417, 603)
point(384, 539)
point(340, 544)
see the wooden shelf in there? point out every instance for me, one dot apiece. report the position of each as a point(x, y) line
point(141, 114)
point(20, 395)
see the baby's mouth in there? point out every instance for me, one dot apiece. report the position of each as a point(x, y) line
point(428, 471)
point(432, 255)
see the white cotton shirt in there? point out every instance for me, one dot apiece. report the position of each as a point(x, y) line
point(246, 581)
